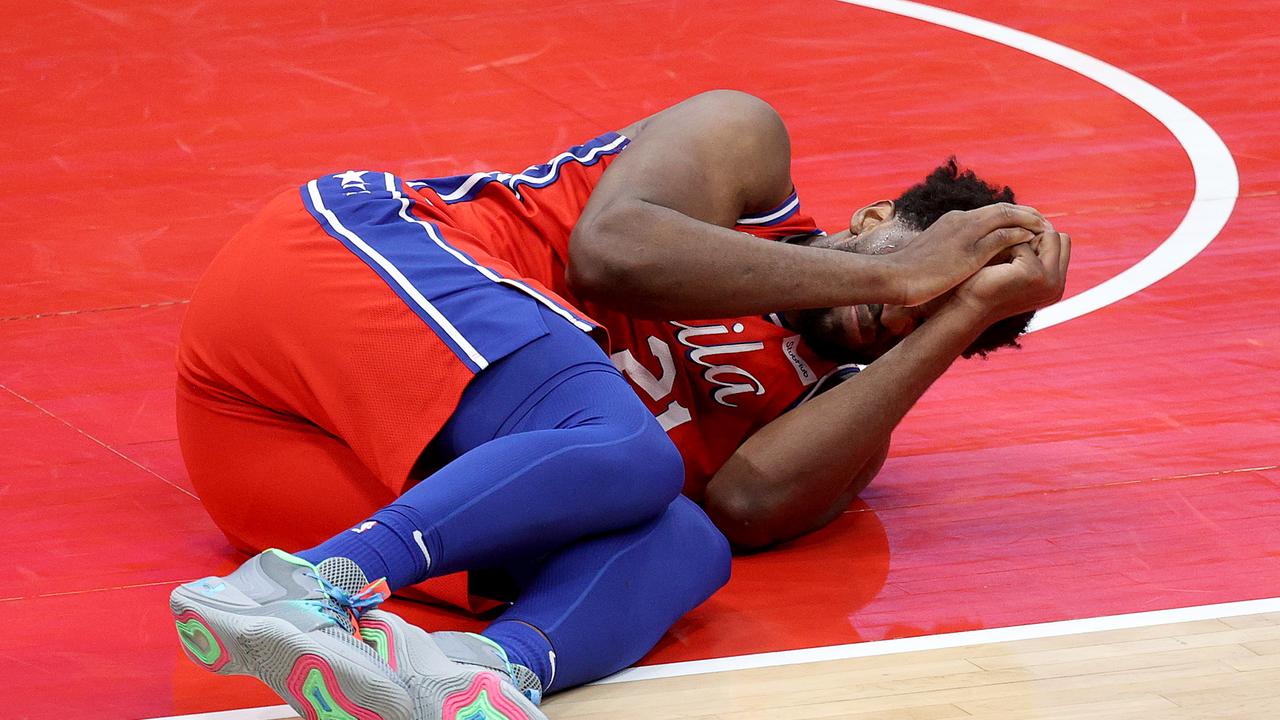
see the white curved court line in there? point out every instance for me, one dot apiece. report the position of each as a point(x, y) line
point(1217, 186)
point(1217, 180)
point(964, 638)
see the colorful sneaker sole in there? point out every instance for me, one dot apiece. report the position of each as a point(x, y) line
point(483, 699)
point(441, 688)
point(199, 641)
point(378, 635)
point(318, 683)
point(315, 686)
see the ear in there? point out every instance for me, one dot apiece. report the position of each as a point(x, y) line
point(871, 216)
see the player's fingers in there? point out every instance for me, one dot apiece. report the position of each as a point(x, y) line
point(1035, 242)
point(1049, 247)
point(1006, 215)
point(1024, 253)
point(1001, 239)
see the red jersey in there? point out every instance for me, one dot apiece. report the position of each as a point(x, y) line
point(710, 383)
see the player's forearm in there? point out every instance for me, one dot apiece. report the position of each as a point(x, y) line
point(786, 478)
point(654, 261)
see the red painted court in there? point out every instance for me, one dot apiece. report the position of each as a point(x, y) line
point(1125, 460)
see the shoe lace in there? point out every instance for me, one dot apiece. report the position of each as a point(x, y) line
point(346, 608)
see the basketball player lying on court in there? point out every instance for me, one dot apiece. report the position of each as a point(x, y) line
point(419, 361)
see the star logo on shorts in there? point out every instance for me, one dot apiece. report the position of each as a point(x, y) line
point(353, 182)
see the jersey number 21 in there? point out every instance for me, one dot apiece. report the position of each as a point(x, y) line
point(655, 387)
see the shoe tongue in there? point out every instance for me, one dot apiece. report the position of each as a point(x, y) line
point(344, 573)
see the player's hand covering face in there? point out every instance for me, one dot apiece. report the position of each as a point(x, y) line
point(947, 249)
point(862, 333)
point(1032, 276)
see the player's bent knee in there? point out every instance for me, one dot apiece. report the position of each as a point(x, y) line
point(705, 553)
point(657, 466)
point(635, 475)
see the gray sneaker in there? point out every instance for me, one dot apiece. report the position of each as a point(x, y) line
point(453, 676)
point(288, 623)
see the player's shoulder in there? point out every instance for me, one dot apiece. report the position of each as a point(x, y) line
point(737, 141)
point(740, 106)
point(732, 114)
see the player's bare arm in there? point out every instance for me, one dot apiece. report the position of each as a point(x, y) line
point(801, 470)
point(655, 236)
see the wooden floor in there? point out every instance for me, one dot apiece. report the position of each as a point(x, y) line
point(1220, 668)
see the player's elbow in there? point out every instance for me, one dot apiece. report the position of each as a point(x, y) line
point(590, 271)
point(747, 519)
point(600, 266)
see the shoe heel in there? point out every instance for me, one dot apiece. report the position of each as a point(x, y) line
point(200, 642)
point(308, 672)
point(482, 697)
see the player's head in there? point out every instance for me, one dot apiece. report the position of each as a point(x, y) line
point(862, 333)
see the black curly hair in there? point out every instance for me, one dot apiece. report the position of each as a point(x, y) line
point(949, 188)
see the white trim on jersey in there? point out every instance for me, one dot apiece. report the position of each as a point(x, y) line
point(511, 181)
point(396, 275)
point(488, 273)
point(795, 203)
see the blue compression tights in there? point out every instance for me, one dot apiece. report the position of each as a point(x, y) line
point(561, 475)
